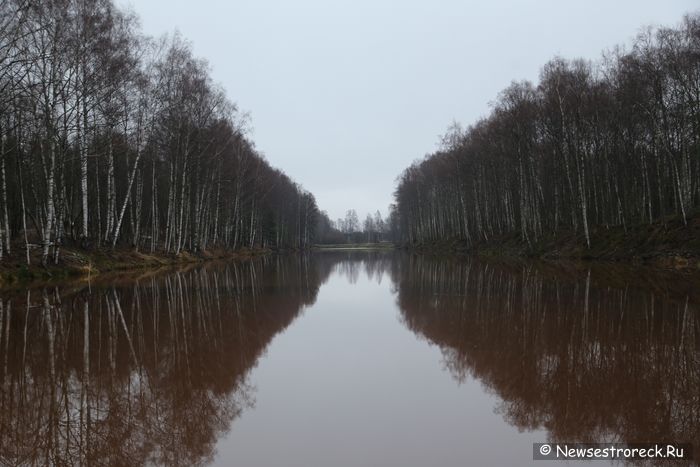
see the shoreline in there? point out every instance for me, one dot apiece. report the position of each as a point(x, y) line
point(667, 244)
point(384, 246)
point(77, 264)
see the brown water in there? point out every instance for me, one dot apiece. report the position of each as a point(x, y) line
point(347, 359)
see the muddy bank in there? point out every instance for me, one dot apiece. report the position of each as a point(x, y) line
point(668, 244)
point(77, 263)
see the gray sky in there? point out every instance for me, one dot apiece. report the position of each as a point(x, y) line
point(345, 94)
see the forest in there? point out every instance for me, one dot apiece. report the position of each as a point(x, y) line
point(615, 142)
point(112, 138)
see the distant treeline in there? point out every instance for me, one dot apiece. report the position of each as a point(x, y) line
point(110, 137)
point(349, 229)
point(616, 142)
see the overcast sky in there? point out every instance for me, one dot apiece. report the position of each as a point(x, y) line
point(345, 94)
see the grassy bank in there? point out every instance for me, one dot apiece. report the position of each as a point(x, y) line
point(77, 263)
point(669, 244)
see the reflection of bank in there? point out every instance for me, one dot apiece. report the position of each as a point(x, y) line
point(565, 351)
point(151, 371)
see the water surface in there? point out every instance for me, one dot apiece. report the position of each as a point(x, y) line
point(347, 358)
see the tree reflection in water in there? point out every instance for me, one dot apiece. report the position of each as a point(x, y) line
point(151, 372)
point(351, 264)
point(154, 370)
point(588, 355)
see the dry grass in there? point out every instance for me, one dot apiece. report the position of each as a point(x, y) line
point(76, 263)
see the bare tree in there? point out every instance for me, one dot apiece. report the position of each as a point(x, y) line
point(109, 138)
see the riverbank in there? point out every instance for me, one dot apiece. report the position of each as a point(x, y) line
point(77, 263)
point(355, 246)
point(667, 244)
